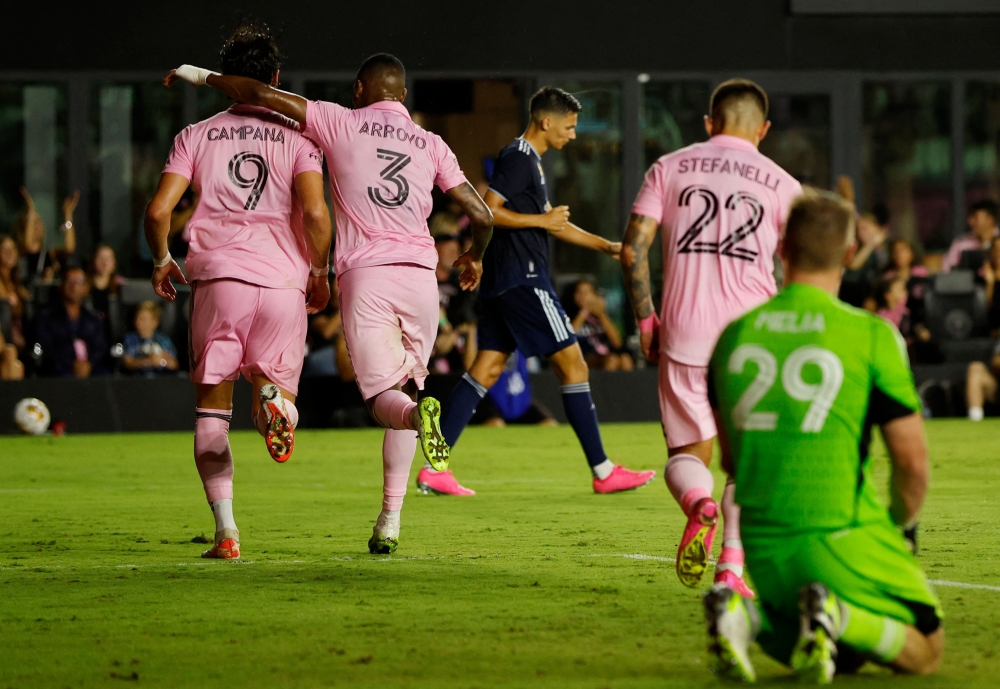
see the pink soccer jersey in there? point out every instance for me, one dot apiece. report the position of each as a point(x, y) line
point(722, 206)
point(247, 226)
point(382, 170)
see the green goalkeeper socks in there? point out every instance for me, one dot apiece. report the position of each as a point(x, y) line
point(877, 636)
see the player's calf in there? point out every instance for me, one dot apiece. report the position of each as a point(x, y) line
point(732, 626)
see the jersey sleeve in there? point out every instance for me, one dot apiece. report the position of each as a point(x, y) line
point(448, 175)
point(321, 121)
point(893, 393)
point(308, 157)
point(511, 175)
point(180, 161)
point(650, 199)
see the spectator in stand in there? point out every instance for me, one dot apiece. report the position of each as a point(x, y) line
point(12, 290)
point(981, 385)
point(328, 355)
point(459, 304)
point(71, 335)
point(983, 228)
point(870, 259)
point(147, 351)
point(11, 367)
point(454, 348)
point(891, 300)
point(902, 264)
point(991, 270)
point(29, 231)
point(105, 284)
point(599, 337)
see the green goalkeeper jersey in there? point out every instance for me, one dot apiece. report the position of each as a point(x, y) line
point(798, 383)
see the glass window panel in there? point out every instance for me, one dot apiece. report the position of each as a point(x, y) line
point(799, 139)
point(132, 127)
point(586, 176)
point(33, 146)
point(672, 116)
point(982, 141)
point(906, 149)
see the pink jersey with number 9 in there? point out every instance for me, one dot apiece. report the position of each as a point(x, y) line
point(383, 168)
point(722, 206)
point(248, 222)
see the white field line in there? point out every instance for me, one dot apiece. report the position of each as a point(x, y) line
point(221, 565)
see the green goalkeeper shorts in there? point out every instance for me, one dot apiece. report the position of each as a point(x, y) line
point(868, 566)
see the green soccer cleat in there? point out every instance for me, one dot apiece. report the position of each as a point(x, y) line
point(815, 656)
point(382, 545)
point(732, 626)
point(432, 442)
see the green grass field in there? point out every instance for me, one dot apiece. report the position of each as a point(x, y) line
point(528, 584)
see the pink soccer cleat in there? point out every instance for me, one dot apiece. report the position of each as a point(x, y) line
point(621, 479)
point(696, 545)
point(734, 581)
point(440, 483)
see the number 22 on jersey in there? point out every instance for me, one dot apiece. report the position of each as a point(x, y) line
point(821, 394)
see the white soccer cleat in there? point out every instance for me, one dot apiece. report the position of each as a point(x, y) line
point(732, 626)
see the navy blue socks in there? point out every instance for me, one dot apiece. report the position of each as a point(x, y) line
point(460, 408)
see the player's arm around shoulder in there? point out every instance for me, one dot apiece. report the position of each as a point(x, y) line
point(243, 90)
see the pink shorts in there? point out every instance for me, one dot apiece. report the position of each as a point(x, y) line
point(684, 407)
point(238, 328)
point(391, 316)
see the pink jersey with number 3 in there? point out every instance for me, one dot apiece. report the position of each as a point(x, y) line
point(383, 168)
point(722, 206)
point(248, 223)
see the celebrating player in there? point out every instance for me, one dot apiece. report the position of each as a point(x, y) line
point(796, 385)
point(519, 308)
point(721, 205)
point(260, 222)
point(382, 170)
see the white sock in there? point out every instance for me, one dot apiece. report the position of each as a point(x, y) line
point(223, 511)
point(387, 524)
point(603, 470)
point(427, 465)
point(975, 413)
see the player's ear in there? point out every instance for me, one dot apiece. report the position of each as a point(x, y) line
point(545, 123)
point(358, 90)
point(402, 96)
point(708, 126)
point(275, 77)
point(764, 129)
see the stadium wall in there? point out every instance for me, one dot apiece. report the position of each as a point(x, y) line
point(109, 405)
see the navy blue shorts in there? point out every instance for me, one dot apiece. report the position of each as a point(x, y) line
point(529, 319)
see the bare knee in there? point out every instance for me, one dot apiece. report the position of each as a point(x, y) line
point(570, 366)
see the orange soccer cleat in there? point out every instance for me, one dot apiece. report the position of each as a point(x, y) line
point(279, 433)
point(227, 546)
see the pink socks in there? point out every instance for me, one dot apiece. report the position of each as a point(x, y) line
point(689, 480)
point(392, 409)
point(211, 452)
point(398, 448)
point(732, 547)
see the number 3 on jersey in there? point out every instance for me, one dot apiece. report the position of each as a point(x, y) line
point(391, 173)
point(821, 394)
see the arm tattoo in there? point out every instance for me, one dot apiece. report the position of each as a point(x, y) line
point(635, 263)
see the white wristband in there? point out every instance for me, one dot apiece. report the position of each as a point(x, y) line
point(166, 259)
point(194, 75)
point(320, 272)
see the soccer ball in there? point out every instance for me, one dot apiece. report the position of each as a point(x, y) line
point(31, 416)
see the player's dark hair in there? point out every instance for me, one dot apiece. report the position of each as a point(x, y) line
point(381, 63)
point(987, 205)
point(730, 94)
point(251, 52)
point(550, 99)
point(819, 231)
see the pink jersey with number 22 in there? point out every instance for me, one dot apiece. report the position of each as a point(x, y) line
point(248, 223)
point(722, 206)
point(383, 168)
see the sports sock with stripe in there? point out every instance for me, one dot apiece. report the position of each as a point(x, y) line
point(214, 460)
point(582, 415)
point(876, 635)
point(689, 480)
point(460, 408)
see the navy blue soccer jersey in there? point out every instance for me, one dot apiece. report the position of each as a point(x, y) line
point(518, 256)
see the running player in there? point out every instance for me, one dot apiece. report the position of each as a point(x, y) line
point(519, 308)
point(260, 222)
point(796, 385)
point(721, 205)
point(383, 168)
